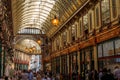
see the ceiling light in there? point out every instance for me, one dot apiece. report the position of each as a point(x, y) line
point(39, 42)
point(55, 21)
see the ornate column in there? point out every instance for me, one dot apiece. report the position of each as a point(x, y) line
point(95, 57)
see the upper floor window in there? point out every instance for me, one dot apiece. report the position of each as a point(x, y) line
point(114, 11)
point(73, 32)
point(81, 27)
point(105, 11)
point(117, 47)
point(90, 22)
point(85, 24)
point(64, 38)
point(97, 16)
point(57, 43)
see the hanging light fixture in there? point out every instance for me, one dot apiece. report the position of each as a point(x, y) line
point(30, 49)
point(33, 48)
point(39, 42)
point(26, 49)
point(55, 20)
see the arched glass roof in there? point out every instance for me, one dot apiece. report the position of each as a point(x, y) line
point(38, 13)
point(28, 43)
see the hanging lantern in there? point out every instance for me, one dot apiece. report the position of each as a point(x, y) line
point(39, 41)
point(26, 49)
point(33, 48)
point(30, 50)
point(55, 21)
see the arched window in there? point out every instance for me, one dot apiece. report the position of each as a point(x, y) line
point(105, 7)
point(85, 24)
point(114, 11)
point(90, 22)
point(73, 32)
point(81, 27)
point(64, 38)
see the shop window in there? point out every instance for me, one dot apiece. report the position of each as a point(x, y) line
point(109, 59)
point(108, 49)
point(100, 50)
point(97, 17)
point(105, 11)
point(117, 47)
point(114, 11)
point(58, 65)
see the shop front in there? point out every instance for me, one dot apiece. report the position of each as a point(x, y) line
point(64, 66)
point(109, 54)
point(73, 65)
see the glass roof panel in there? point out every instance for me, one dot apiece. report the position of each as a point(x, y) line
point(25, 11)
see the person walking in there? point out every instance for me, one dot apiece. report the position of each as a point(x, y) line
point(24, 75)
point(116, 73)
point(38, 76)
point(7, 69)
point(30, 75)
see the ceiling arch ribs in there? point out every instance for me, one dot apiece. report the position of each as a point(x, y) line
point(19, 5)
point(26, 10)
point(62, 8)
point(63, 11)
point(27, 16)
point(33, 25)
point(25, 22)
point(20, 8)
point(39, 21)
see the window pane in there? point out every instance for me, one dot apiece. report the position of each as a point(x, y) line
point(73, 32)
point(108, 49)
point(29, 31)
point(100, 50)
point(105, 11)
point(114, 8)
point(97, 16)
point(64, 38)
point(117, 46)
point(81, 28)
point(85, 22)
point(57, 43)
point(90, 18)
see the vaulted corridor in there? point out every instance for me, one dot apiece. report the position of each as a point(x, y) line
point(59, 39)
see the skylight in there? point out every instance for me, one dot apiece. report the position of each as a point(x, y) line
point(36, 10)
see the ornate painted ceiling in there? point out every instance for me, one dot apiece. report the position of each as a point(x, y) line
point(39, 13)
